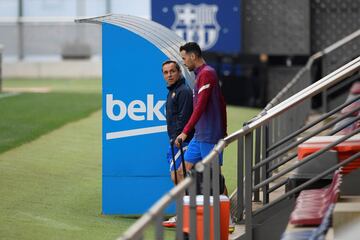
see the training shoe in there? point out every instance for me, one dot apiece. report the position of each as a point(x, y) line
point(231, 226)
point(170, 223)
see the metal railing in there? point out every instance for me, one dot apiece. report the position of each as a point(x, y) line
point(266, 162)
point(246, 164)
point(300, 81)
point(209, 166)
point(293, 119)
point(255, 172)
point(244, 138)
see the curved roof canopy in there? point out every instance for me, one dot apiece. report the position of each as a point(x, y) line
point(163, 38)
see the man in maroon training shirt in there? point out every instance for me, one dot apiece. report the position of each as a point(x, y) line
point(209, 114)
point(209, 110)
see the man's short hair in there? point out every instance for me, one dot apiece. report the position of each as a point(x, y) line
point(192, 47)
point(171, 61)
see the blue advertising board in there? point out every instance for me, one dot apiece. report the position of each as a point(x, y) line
point(135, 170)
point(214, 24)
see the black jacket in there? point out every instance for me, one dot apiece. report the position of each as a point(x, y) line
point(179, 107)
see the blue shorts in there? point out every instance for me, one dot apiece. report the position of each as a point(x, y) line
point(177, 156)
point(197, 151)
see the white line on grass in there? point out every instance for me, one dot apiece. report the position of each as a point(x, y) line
point(50, 222)
point(5, 95)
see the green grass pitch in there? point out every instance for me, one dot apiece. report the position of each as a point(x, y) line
point(50, 162)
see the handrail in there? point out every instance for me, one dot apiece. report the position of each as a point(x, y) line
point(322, 82)
point(307, 66)
point(261, 119)
point(288, 158)
point(313, 123)
point(299, 74)
point(313, 180)
point(305, 160)
point(309, 63)
point(340, 43)
point(146, 218)
point(284, 150)
point(310, 91)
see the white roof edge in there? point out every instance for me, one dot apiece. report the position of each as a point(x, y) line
point(165, 39)
point(97, 19)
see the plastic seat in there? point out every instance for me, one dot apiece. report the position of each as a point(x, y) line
point(355, 88)
point(337, 177)
point(350, 108)
point(349, 127)
point(314, 234)
point(312, 205)
point(303, 215)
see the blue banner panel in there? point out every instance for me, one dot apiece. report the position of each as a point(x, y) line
point(215, 25)
point(141, 192)
point(134, 125)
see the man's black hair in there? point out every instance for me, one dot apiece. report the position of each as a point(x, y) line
point(191, 47)
point(171, 61)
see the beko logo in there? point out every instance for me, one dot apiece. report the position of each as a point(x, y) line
point(136, 110)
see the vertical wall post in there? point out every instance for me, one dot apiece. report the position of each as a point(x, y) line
point(248, 184)
point(240, 177)
point(264, 155)
point(257, 160)
point(20, 29)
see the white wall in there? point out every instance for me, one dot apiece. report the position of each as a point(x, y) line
point(69, 8)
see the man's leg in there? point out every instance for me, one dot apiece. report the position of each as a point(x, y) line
point(171, 222)
point(205, 149)
point(192, 155)
point(178, 166)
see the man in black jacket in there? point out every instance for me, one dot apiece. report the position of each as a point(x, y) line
point(179, 106)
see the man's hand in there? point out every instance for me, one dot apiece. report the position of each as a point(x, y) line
point(182, 136)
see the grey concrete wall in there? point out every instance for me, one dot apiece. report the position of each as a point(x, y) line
point(60, 69)
point(276, 27)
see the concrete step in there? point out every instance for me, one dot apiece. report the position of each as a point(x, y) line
point(346, 212)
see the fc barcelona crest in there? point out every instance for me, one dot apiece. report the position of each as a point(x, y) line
point(197, 23)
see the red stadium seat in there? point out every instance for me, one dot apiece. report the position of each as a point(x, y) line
point(312, 205)
point(355, 88)
point(351, 107)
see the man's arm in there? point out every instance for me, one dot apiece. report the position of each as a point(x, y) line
point(185, 108)
point(206, 83)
